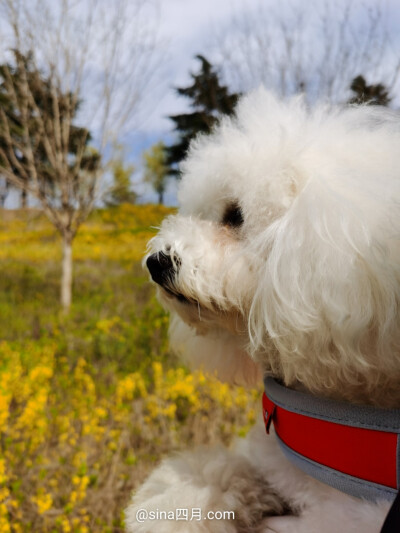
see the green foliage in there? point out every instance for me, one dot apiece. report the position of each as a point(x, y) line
point(209, 101)
point(376, 94)
point(121, 191)
point(156, 169)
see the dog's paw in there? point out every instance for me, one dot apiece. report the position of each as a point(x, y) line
point(210, 490)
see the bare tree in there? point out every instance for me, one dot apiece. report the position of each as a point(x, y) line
point(72, 62)
point(314, 47)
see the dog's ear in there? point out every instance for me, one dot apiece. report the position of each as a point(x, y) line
point(217, 352)
point(328, 292)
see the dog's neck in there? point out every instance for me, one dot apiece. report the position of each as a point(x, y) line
point(383, 391)
point(386, 395)
point(378, 387)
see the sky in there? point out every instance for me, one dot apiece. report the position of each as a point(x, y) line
point(189, 27)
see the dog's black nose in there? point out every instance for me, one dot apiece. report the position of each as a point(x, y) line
point(160, 267)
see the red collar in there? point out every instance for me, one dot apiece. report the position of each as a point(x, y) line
point(353, 448)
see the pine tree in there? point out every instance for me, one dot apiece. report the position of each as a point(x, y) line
point(369, 94)
point(209, 101)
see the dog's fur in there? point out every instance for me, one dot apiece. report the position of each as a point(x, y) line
point(306, 289)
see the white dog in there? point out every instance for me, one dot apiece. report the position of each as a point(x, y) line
point(284, 261)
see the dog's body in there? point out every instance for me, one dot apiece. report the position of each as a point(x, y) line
point(284, 260)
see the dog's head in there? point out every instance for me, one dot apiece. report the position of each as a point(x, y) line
point(285, 254)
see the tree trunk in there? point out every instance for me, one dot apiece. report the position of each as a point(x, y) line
point(160, 197)
point(66, 279)
point(24, 199)
point(4, 192)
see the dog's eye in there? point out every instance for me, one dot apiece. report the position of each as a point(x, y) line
point(233, 216)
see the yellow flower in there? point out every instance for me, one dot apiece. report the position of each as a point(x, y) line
point(4, 494)
point(3, 476)
point(44, 501)
point(157, 377)
point(100, 412)
point(40, 373)
point(170, 411)
point(106, 324)
point(66, 526)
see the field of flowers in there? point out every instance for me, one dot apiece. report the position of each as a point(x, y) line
point(91, 402)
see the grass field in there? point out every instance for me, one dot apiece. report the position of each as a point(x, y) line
point(91, 402)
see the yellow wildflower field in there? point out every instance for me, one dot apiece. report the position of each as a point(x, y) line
point(90, 403)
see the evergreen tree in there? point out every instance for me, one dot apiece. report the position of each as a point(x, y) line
point(209, 100)
point(371, 94)
point(156, 169)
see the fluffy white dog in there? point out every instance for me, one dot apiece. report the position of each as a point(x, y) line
point(284, 260)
